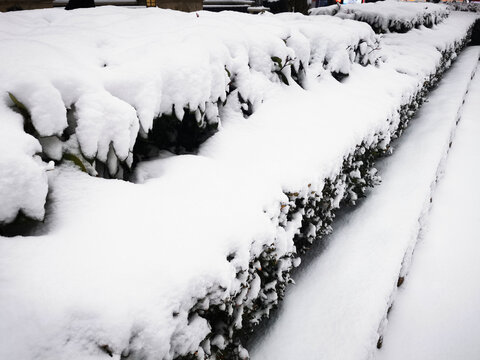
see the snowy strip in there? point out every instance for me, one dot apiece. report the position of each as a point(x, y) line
point(388, 16)
point(336, 307)
point(436, 314)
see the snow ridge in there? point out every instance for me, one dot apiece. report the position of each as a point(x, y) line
point(356, 277)
point(389, 16)
point(90, 93)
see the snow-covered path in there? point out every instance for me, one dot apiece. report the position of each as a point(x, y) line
point(437, 313)
point(339, 306)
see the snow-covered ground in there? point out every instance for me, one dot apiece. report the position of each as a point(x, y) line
point(436, 315)
point(118, 267)
point(338, 306)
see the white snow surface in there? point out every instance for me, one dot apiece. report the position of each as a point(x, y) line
point(388, 15)
point(118, 69)
point(116, 260)
point(23, 180)
point(436, 313)
point(337, 306)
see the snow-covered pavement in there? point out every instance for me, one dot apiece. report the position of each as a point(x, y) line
point(437, 313)
point(338, 308)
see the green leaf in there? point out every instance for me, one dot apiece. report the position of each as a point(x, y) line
point(76, 161)
point(277, 60)
point(283, 78)
point(20, 106)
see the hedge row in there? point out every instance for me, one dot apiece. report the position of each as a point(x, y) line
point(303, 53)
point(179, 131)
point(384, 17)
point(263, 285)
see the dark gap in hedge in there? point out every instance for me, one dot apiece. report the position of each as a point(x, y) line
point(22, 225)
point(177, 136)
point(475, 40)
point(21, 109)
point(339, 76)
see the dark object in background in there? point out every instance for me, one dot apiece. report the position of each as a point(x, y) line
point(280, 6)
point(77, 4)
point(321, 3)
point(299, 6)
point(17, 5)
point(475, 40)
point(277, 6)
point(14, 8)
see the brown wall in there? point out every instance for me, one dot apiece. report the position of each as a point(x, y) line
point(25, 4)
point(182, 5)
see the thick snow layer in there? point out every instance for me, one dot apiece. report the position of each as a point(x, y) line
point(386, 16)
point(103, 120)
point(120, 259)
point(321, 117)
point(118, 69)
point(23, 181)
point(120, 265)
point(335, 310)
point(436, 314)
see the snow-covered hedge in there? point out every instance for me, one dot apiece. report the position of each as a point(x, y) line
point(188, 260)
point(107, 97)
point(390, 16)
point(269, 273)
point(464, 6)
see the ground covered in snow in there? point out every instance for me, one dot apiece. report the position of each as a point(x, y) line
point(195, 247)
point(436, 314)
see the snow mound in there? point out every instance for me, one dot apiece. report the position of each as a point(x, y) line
point(23, 179)
point(389, 16)
point(102, 78)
